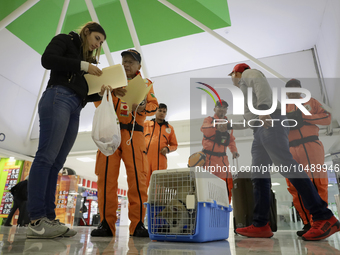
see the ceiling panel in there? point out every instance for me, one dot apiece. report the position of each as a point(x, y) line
point(154, 22)
point(19, 63)
point(36, 26)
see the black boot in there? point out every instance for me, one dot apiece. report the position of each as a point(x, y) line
point(303, 230)
point(102, 230)
point(140, 230)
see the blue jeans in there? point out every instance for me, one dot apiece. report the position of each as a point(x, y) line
point(272, 146)
point(59, 110)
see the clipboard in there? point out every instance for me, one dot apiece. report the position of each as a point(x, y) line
point(114, 76)
point(136, 91)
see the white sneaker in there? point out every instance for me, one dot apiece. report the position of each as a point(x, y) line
point(71, 232)
point(46, 229)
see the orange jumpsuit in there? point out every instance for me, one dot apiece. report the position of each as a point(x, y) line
point(134, 157)
point(216, 153)
point(308, 152)
point(158, 136)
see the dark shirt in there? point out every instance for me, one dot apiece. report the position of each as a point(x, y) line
point(63, 56)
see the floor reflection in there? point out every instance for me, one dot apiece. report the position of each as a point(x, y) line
point(13, 241)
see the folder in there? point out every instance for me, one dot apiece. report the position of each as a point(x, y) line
point(136, 91)
point(114, 76)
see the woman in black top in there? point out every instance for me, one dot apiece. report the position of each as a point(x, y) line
point(69, 57)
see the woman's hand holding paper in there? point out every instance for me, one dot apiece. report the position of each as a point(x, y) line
point(94, 70)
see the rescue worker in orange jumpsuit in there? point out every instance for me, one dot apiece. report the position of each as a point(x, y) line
point(216, 139)
point(307, 149)
point(160, 139)
point(131, 152)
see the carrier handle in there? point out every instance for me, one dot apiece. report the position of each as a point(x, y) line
point(236, 163)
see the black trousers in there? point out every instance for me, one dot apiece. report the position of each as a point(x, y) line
point(23, 213)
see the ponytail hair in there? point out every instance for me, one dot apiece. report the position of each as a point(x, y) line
point(91, 56)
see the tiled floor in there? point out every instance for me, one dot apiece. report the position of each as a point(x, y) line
point(13, 241)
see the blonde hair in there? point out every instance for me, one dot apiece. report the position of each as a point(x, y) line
point(90, 56)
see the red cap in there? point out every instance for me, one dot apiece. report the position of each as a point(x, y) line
point(240, 68)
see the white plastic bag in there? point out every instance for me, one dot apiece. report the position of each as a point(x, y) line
point(105, 126)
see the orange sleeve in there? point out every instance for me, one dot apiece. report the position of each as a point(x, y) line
point(319, 115)
point(232, 144)
point(172, 141)
point(152, 103)
point(207, 128)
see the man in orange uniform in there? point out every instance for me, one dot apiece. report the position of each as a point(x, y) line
point(160, 139)
point(216, 139)
point(307, 149)
point(133, 154)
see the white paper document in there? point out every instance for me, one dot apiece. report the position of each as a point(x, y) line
point(114, 76)
point(136, 91)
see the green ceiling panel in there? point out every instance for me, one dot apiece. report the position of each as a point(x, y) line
point(153, 21)
point(110, 16)
point(77, 6)
point(219, 8)
point(115, 26)
point(77, 15)
point(38, 25)
point(165, 24)
point(206, 12)
point(9, 7)
point(117, 31)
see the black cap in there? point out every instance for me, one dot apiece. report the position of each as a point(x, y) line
point(293, 83)
point(135, 54)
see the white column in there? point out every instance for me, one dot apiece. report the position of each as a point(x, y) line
point(133, 34)
point(94, 17)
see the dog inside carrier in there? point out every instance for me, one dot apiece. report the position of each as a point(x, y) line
point(172, 203)
point(187, 205)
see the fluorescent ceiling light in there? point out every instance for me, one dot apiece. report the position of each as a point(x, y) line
point(275, 184)
point(330, 185)
point(86, 159)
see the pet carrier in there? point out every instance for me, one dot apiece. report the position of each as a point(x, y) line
point(187, 205)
